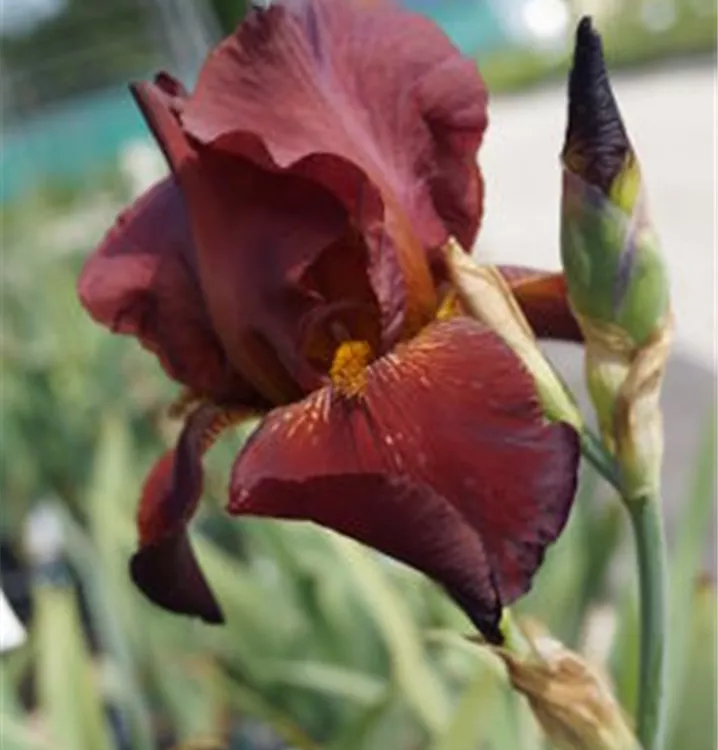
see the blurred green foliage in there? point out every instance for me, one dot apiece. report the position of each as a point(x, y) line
point(229, 12)
point(116, 38)
point(629, 44)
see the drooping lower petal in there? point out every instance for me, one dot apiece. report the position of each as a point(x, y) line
point(442, 459)
point(542, 297)
point(164, 567)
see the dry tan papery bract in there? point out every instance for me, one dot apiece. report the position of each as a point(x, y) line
point(487, 297)
point(631, 377)
point(569, 698)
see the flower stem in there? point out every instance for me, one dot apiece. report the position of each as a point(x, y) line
point(647, 523)
point(514, 639)
point(596, 454)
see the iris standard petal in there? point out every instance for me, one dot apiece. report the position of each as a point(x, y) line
point(256, 234)
point(369, 100)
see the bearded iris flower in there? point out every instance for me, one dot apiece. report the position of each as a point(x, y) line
point(291, 267)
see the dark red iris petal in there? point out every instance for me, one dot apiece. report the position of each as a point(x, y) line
point(543, 298)
point(445, 462)
point(256, 233)
point(164, 567)
point(368, 100)
point(142, 281)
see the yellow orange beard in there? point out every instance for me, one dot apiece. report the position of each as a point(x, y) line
point(348, 371)
point(450, 306)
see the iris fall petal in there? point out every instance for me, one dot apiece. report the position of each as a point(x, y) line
point(444, 461)
point(164, 567)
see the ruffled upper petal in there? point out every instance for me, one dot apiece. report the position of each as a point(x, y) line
point(370, 101)
point(257, 233)
point(444, 461)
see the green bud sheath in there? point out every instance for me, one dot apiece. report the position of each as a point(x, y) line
point(611, 256)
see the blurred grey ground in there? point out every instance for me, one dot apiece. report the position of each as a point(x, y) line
point(670, 114)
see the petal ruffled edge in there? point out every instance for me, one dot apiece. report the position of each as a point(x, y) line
point(363, 76)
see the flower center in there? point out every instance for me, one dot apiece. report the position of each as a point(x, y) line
point(348, 371)
point(450, 307)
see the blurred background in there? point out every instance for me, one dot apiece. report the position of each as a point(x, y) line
point(326, 645)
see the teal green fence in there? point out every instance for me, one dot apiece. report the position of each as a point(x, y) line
point(82, 136)
point(68, 141)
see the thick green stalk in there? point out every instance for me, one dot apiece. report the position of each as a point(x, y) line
point(647, 521)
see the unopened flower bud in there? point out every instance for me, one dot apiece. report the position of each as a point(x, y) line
point(610, 251)
point(616, 276)
point(569, 698)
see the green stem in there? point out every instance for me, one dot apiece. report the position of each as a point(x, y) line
point(514, 639)
point(647, 522)
point(596, 454)
point(516, 642)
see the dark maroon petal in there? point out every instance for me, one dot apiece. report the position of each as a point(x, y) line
point(542, 296)
point(596, 147)
point(372, 102)
point(444, 461)
point(172, 88)
point(164, 568)
point(257, 233)
point(408, 521)
point(168, 573)
point(141, 281)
